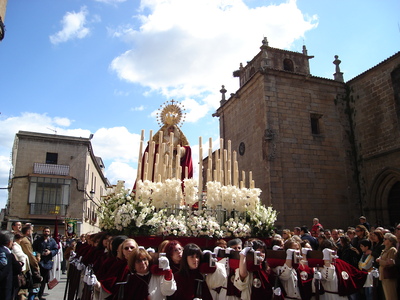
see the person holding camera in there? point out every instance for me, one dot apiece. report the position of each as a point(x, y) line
point(147, 281)
point(199, 273)
point(46, 248)
point(254, 278)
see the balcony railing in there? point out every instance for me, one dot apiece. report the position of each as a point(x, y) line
point(49, 169)
point(47, 209)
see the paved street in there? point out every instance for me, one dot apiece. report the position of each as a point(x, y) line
point(57, 293)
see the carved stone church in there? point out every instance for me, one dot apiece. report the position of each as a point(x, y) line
point(317, 147)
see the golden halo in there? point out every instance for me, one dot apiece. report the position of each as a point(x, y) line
point(171, 113)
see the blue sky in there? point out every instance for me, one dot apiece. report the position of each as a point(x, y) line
point(105, 67)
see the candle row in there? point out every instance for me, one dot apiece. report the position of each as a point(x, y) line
point(226, 166)
point(157, 163)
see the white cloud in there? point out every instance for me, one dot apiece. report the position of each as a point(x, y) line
point(5, 165)
point(186, 49)
point(196, 111)
point(28, 122)
point(116, 144)
point(138, 108)
point(121, 171)
point(65, 122)
point(73, 26)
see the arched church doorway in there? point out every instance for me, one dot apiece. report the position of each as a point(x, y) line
point(394, 204)
point(383, 206)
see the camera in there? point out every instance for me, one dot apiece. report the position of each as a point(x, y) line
point(161, 262)
point(257, 258)
point(297, 256)
point(212, 260)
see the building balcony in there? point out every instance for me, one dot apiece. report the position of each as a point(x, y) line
point(47, 209)
point(50, 169)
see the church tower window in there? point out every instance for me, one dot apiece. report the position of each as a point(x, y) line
point(315, 123)
point(288, 65)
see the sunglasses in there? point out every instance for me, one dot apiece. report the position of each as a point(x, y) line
point(129, 248)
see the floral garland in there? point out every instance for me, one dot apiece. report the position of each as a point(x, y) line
point(162, 209)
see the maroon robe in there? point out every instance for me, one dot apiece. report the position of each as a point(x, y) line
point(137, 287)
point(352, 282)
point(117, 273)
point(187, 286)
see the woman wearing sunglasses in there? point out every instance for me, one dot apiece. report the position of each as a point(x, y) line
point(146, 281)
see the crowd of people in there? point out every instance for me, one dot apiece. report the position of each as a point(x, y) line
point(360, 262)
point(28, 261)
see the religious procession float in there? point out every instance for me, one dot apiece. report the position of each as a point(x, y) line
point(166, 201)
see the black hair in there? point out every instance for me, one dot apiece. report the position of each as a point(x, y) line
point(101, 236)
point(189, 250)
point(25, 229)
point(305, 229)
point(366, 243)
point(117, 240)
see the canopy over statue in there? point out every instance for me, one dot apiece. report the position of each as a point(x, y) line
point(168, 154)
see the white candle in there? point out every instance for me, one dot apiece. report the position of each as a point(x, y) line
point(139, 170)
point(146, 165)
point(151, 160)
point(160, 138)
point(250, 178)
point(235, 174)
point(178, 175)
point(200, 182)
point(225, 164)
point(164, 172)
point(230, 162)
point(217, 161)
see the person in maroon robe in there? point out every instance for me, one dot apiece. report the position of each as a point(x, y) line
point(191, 280)
point(253, 277)
point(118, 269)
point(147, 281)
point(174, 251)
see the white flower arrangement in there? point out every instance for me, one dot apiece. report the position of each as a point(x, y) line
point(172, 190)
point(236, 227)
point(262, 219)
point(203, 223)
point(191, 191)
point(144, 190)
point(213, 194)
point(172, 225)
point(227, 211)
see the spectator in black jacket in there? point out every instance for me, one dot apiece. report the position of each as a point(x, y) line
point(305, 235)
point(347, 252)
point(45, 247)
point(9, 267)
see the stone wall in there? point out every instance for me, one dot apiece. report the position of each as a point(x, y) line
point(303, 175)
point(376, 109)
